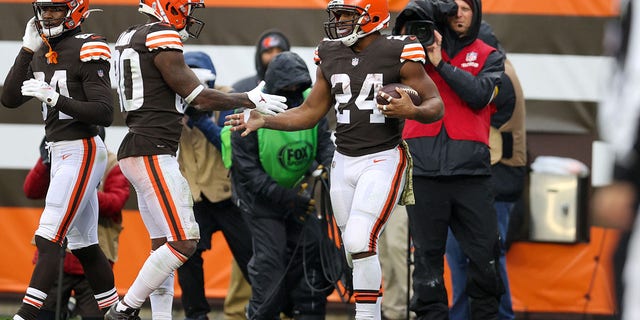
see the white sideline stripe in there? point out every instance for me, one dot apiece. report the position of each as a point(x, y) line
point(543, 76)
point(562, 77)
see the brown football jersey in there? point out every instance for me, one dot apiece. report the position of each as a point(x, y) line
point(82, 74)
point(355, 78)
point(153, 110)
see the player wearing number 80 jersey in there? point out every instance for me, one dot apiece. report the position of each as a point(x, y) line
point(369, 165)
point(147, 158)
point(154, 87)
point(153, 109)
point(70, 76)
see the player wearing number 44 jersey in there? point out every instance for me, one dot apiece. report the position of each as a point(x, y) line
point(154, 87)
point(370, 165)
point(70, 76)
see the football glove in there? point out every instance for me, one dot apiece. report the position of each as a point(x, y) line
point(41, 90)
point(31, 39)
point(266, 103)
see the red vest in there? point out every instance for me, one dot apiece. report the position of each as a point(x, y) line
point(460, 121)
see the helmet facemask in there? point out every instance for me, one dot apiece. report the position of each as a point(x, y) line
point(347, 31)
point(50, 27)
point(193, 27)
point(76, 11)
point(369, 16)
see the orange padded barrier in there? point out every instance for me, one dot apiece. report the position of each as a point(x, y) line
point(544, 277)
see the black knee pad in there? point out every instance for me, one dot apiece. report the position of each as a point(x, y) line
point(89, 253)
point(48, 248)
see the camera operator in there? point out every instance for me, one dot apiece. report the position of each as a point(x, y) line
point(452, 169)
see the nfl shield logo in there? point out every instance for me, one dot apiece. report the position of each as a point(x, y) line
point(355, 61)
point(472, 56)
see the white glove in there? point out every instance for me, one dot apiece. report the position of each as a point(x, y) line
point(41, 90)
point(31, 39)
point(266, 103)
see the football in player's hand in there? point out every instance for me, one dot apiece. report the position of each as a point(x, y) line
point(390, 89)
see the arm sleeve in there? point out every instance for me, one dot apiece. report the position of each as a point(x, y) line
point(477, 91)
point(20, 71)
point(98, 109)
point(114, 195)
point(505, 103)
point(37, 181)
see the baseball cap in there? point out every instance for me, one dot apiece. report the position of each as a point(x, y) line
point(273, 40)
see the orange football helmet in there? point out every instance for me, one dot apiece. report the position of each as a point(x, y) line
point(77, 11)
point(369, 16)
point(176, 13)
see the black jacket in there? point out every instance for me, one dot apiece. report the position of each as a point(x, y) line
point(254, 191)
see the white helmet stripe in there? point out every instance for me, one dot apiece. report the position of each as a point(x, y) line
point(163, 15)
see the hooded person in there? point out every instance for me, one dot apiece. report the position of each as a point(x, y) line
point(508, 166)
point(452, 163)
point(270, 43)
point(201, 64)
point(267, 172)
point(289, 77)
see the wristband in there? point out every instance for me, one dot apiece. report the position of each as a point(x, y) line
point(194, 94)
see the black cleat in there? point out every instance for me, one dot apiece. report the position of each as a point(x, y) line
point(128, 314)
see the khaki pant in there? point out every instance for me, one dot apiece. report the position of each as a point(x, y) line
point(392, 250)
point(238, 295)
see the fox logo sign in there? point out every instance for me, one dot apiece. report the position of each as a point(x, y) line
point(295, 156)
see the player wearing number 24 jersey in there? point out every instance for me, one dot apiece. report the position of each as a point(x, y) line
point(355, 77)
point(68, 72)
point(369, 166)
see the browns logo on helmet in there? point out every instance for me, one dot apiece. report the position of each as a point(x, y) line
point(176, 13)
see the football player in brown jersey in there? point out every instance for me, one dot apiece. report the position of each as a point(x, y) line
point(70, 76)
point(370, 166)
point(154, 86)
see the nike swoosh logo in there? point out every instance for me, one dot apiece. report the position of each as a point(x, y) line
point(378, 160)
point(64, 156)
